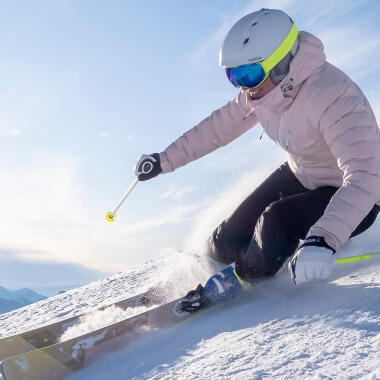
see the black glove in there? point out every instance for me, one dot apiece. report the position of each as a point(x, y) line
point(148, 166)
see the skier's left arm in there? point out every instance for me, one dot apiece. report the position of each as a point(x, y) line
point(349, 128)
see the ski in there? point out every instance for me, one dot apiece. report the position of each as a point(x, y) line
point(49, 334)
point(61, 359)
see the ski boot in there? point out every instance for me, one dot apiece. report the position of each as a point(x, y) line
point(224, 285)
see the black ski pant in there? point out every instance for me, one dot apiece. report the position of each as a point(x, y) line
point(264, 231)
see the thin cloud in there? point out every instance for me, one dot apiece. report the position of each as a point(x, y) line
point(170, 191)
point(330, 12)
point(350, 60)
point(15, 132)
point(175, 215)
point(176, 193)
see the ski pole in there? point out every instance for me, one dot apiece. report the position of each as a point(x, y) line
point(352, 259)
point(112, 214)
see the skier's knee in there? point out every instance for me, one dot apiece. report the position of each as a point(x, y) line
point(211, 249)
point(270, 224)
point(216, 248)
point(224, 244)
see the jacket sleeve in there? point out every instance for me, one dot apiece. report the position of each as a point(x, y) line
point(349, 128)
point(220, 128)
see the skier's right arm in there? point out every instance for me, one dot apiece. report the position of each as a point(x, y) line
point(220, 128)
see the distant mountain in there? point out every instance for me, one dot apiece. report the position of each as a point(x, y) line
point(29, 295)
point(11, 300)
point(6, 306)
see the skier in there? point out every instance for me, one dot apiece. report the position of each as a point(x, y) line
point(327, 190)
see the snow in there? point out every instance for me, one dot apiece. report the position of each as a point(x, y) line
point(80, 300)
point(98, 319)
point(328, 331)
point(321, 330)
point(168, 270)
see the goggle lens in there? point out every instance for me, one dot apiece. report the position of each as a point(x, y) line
point(246, 75)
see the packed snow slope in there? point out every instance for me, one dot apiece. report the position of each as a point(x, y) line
point(324, 330)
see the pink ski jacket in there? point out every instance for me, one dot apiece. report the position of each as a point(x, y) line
point(325, 124)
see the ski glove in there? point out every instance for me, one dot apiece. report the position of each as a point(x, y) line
point(313, 261)
point(148, 166)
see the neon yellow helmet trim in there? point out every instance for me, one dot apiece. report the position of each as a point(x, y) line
point(280, 53)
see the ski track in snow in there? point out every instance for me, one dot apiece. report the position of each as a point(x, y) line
point(329, 330)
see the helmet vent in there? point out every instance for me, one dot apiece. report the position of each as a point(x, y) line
point(246, 41)
point(255, 23)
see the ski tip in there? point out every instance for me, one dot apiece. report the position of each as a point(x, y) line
point(110, 217)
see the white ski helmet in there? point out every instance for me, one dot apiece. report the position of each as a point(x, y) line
point(268, 33)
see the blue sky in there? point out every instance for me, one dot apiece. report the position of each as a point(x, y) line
point(88, 86)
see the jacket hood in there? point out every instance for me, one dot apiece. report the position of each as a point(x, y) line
point(309, 57)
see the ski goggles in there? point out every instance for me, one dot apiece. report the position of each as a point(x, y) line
point(246, 75)
point(252, 75)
